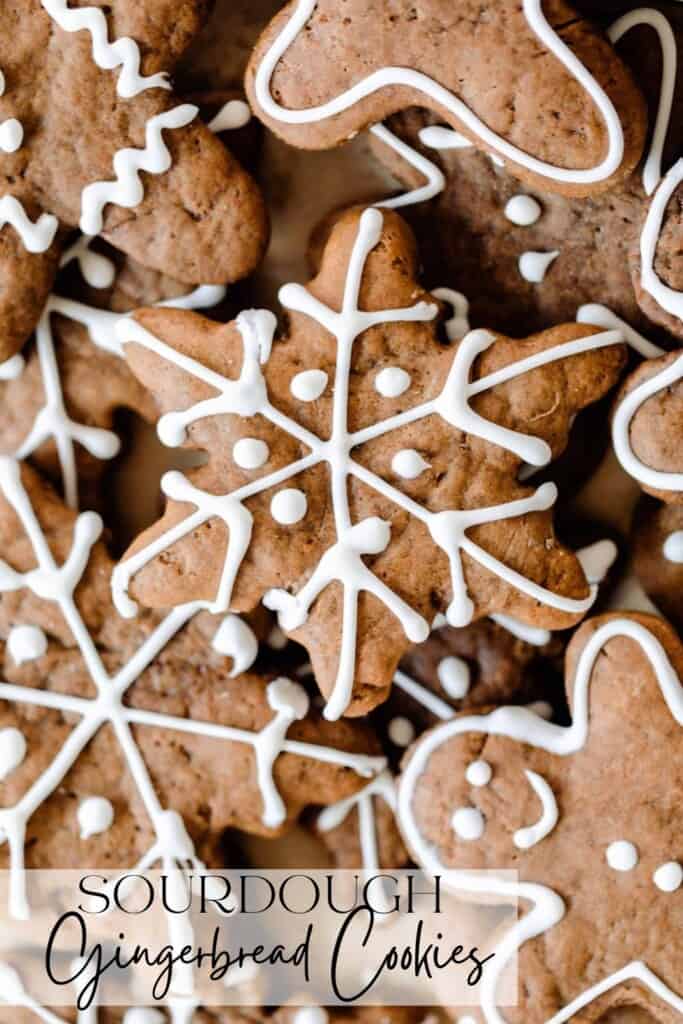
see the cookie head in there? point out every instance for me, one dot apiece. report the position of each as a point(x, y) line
point(507, 790)
point(532, 83)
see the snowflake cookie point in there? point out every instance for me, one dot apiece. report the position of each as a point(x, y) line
point(368, 544)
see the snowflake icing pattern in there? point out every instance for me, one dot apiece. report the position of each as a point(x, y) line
point(343, 561)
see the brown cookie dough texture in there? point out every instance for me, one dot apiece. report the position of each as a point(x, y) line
point(464, 471)
point(658, 559)
point(487, 55)
point(620, 785)
point(202, 220)
point(210, 782)
point(668, 266)
point(656, 429)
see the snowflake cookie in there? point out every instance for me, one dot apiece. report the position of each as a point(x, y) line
point(143, 171)
point(133, 743)
point(509, 790)
point(532, 83)
point(362, 475)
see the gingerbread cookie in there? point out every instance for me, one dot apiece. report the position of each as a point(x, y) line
point(587, 814)
point(192, 743)
point(196, 214)
point(531, 83)
point(358, 555)
point(527, 257)
point(657, 539)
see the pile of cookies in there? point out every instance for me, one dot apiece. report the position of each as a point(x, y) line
point(415, 586)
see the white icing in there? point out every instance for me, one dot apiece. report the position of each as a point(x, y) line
point(423, 696)
point(250, 453)
point(437, 137)
point(454, 676)
point(622, 855)
point(621, 429)
point(669, 299)
point(236, 639)
point(597, 559)
point(529, 634)
point(97, 270)
point(381, 787)
point(533, 266)
point(601, 316)
point(343, 561)
point(308, 385)
point(11, 135)
point(311, 1015)
point(668, 877)
point(523, 210)
point(95, 815)
point(401, 731)
point(127, 189)
point(143, 1015)
point(12, 368)
point(289, 506)
point(673, 547)
point(525, 838)
point(416, 81)
point(233, 115)
point(457, 325)
point(392, 381)
point(36, 236)
point(468, 824)
point(479, 773)
point(53, 421)
point(56, 583)
point(435, 182)
point(12, 750)
point(123, 52)
point(652, 168)
point(408, 464)
point(521, 725)
point(26, 643)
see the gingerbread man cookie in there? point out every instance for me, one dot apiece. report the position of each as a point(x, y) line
point(587, 814)
point(357, 554)
point(143, 172)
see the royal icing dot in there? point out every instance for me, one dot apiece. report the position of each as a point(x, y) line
point(288, 506)
point(533, 266)
point(236, 639)
point(311, 1015)
point(401, 731)
point(95, 815)
point(668, 877)
point(523, 210)
point(308, 385)
point(673, 547)
point(233, 115)
point(454, 676)
point(408, 464)
point(11, 135)
point(12, 750)
point(250, 453)
point(468, 823)
point(622, 855)
point(479, 773)
point(26, 643)
point(392, 381)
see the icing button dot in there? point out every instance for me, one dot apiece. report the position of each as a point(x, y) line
point(408, 464)
point(622, 855)
point(468, 823)
point(454, 676)
point(95, 815)
point(250, 453)
point(533, 266)
point(401, 731)
point(11, 135)
point(392, 381)
point(288, 506)
point(523, 210)
point(673, 547)
point(26, 643)
point(479, 773)
point(308, 385)
point(668, 877)
point(12, 750)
